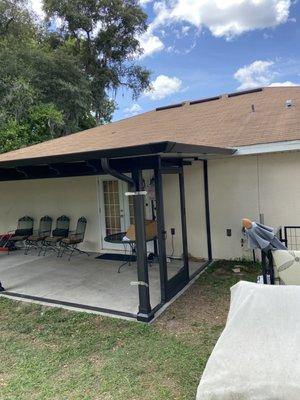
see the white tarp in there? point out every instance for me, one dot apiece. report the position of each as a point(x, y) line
point(257, 357)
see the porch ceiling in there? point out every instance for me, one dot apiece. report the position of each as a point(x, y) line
point(88, 163)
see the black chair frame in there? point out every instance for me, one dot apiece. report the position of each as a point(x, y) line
point(24, 230)
point(60, 232)
point(36, 239)
point(78, 236)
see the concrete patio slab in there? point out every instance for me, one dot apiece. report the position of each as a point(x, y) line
point(82, 280)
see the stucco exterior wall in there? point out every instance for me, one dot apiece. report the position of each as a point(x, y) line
point(248, 186)
point(245, 186)
point(233, 195)
point(239, 187)
point(74, 197)
point(195, 211)
point(279, 188)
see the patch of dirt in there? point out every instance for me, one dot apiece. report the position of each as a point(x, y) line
point(222, 272)
point(194, 308)
point(205, 304)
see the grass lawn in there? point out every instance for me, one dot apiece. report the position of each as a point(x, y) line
point(48, 353)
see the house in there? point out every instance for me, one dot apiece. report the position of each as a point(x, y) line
point(213, 161)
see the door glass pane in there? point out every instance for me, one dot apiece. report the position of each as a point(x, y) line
point(131, 208)
point(112, 207)
point(130, 219)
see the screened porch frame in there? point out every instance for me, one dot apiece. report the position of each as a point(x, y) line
point(170, 158)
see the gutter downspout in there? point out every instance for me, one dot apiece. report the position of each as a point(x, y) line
point(110, 171)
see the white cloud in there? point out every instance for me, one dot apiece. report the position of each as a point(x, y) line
point(134, 109)
point(224, 18)
point(150, 43)
point(259, 73)
point(286, 83)
point(163, 86)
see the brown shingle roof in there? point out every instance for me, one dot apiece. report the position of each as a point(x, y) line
point(224, 122)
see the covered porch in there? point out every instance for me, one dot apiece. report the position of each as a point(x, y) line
point(89, 283)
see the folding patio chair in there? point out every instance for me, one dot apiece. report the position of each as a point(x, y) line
point(23, 231)
point(35, 240)
point(76, 237)
point(60, 232)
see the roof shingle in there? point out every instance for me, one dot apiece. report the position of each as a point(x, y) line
point(222, 122)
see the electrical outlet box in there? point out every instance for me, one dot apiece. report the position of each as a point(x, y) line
point(228, 232)
point(172, 231)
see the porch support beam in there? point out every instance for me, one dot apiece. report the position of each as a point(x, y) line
point(144, 313)
point(183, 223)
point(207, 210)
point(86, 168)
point(161, 235)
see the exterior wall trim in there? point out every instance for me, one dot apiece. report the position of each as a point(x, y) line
point(263, 148)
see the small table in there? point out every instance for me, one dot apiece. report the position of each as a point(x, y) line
point(118, 238)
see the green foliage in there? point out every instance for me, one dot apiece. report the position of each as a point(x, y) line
point(55, 82)
point(39, 124)
point(16, 20)
point(103, 35)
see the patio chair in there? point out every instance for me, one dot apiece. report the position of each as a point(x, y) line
point(60, 232)
point(76, 237)
point(35, 240)
point(23, 231)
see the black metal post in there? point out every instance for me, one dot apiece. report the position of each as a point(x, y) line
point(183, 223)
point(267, 267)
point(207, 211)
point(154, 219)
point(161, 235)
point(144, 313)
point(264, 267)
point(271, 267)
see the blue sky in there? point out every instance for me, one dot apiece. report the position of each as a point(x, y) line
point(251, 45)
point(200, 48)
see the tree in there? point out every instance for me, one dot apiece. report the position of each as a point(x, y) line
point(39, 124)
point(58, 81)
point(43, 92)
point(103, 34)
point(31, 74)
point(16, 20)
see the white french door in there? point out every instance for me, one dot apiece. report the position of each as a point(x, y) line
point(116, 210)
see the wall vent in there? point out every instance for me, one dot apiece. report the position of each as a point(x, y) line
point(205, 100)
point(245, 92)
